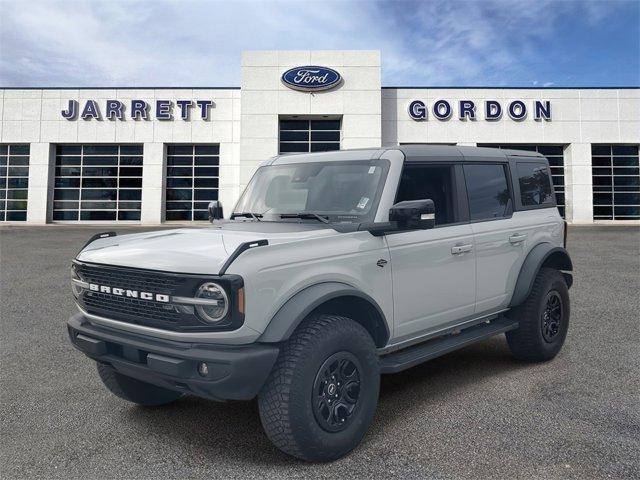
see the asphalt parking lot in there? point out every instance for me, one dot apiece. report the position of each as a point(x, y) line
point(475, 413)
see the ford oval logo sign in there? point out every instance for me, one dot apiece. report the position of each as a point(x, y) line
point(311, 78)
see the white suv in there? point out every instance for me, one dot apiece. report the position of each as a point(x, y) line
point(333, 268)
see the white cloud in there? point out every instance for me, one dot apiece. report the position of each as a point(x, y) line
point(196, 43)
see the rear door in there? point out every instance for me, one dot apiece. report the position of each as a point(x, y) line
point(433, 270)
point(498, 243)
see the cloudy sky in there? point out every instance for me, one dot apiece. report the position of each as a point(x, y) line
point(198, 43)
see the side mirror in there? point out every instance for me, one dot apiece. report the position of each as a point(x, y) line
point(215, 210)
point(413, 214)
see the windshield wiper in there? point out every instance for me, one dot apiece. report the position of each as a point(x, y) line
point(255, 216)
point(305, 215)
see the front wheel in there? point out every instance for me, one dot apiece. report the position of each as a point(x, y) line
point(543, 319)
point(322, 394)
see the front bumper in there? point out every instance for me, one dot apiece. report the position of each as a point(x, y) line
point(234, 372)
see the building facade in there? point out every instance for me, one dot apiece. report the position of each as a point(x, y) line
point(154, 155)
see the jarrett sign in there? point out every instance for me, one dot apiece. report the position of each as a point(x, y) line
point(490, 110)
point(137, 109)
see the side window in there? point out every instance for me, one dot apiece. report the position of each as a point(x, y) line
point(488, 191)
point(435, 182)
point(535, 188)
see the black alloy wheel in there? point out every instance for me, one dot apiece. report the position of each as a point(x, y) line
point(336, 391)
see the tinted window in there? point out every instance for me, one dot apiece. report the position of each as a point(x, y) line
point(487, 191)
point(535, 188)
point(434, 182)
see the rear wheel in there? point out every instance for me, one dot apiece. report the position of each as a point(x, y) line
point(543, 319)
point(134, 390)
point(322, 394)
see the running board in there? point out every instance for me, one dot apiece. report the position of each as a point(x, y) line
point(415, 355)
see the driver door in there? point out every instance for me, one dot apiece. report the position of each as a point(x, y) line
point(434, 270)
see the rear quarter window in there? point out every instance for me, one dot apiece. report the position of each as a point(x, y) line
point(535, 185)
point(487, 191)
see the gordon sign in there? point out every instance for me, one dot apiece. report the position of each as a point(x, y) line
point(491, 110)
point(136, 109)
point(311, 78)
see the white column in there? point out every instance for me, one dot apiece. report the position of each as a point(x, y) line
point(578, 184)
point(153, 183)
point(41, 174)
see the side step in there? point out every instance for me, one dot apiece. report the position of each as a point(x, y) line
point(412, 356)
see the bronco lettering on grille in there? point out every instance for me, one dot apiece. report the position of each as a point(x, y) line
point(122, 292)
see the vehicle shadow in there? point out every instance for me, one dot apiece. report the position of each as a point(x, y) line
point(208, 430)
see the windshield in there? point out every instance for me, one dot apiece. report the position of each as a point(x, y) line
point(339, 191)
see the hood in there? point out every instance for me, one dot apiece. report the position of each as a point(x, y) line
point(192, 250)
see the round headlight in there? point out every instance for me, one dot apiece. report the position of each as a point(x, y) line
point(75, 288)
point(215, 304)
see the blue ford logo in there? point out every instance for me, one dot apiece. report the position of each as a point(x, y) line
point(311, 78)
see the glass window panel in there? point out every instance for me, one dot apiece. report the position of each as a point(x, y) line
point(68, 149)
point(18, 182)
point(600, 149)
point(65, 215)
point(625, 150)
point(4, 149)
point(129, 215)
point(205, 194)
point(18, 171)
point(625, 161)
point(616, 171)
point(179, 171)
point(22, 160)
point(206, 183)
point(101, 182)
point(129, 205)
point(601, 161)
point(130, 182)
point(16, 205)
point(601, 171)
point(602, 198)
point(325, 136)
point(99, 171)
point(178, 215)
point(179, 194)
point(131, 150)
point(99, 194)
point(626, 198)
point(97, 215)
point(179, 161)
point(324, 147)
point(294, 136)
point(207, 150)
point(180, 150)
point(17, 194)
point(206, 161)
point(130, 194)
point(201, 215)
point(3, 160)
point(293, 147)
point(179, 182)
point(100, 150)
point(325, 124)
point(294, 125)
point(60, 194)
point(67, 182)
point(17, 216)
point(205, 172)
point(487, 191)
point(134, 161)
point(18, 149)
point(178, 205)
point(98, 205)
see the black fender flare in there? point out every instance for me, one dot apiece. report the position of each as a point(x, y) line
point(541, 254)
point(300, 305)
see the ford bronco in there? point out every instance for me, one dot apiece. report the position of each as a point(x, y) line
point(332, 269)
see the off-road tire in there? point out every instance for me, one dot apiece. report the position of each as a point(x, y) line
point(134, 390)
point(527, 342)
point(287, 400)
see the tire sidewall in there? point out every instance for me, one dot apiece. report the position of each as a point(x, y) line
point(307, 431)
point(558, 284)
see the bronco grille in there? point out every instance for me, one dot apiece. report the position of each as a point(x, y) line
point(136, 310)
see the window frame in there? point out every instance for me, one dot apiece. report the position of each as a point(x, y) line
point(460, 206)
point(516, 181)
point(508, 171)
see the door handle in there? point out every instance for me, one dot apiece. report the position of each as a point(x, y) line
point(460, 249)
point(517, 238)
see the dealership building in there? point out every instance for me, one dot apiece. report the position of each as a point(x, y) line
point(154, 155)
